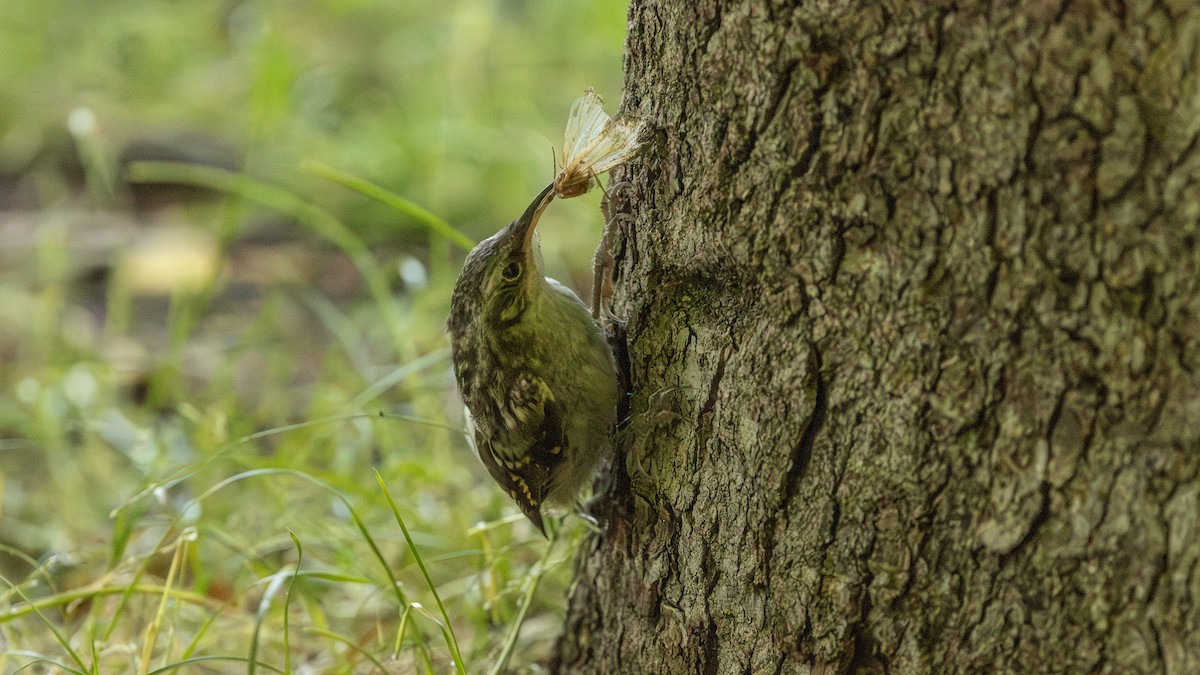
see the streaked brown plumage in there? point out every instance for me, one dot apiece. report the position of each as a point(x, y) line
point(533, 369)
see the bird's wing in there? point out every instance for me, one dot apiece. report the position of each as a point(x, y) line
point(532, 430)
point(522, 451)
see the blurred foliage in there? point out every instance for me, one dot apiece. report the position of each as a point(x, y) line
point(189, 378)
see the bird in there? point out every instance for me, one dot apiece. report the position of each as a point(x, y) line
point(534, 371)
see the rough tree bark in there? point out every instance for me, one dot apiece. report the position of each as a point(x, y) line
point(914, 335)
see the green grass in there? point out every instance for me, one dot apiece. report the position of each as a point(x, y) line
point(229, 437)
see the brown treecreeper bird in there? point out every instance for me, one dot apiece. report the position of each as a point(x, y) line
point(533, 369)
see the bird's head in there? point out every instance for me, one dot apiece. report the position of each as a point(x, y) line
point(506, 267)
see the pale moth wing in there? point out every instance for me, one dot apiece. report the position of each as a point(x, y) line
point(593, 143)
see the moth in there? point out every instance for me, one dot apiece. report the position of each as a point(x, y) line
point(594, 143)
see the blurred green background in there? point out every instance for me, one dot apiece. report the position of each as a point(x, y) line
point(189, 377)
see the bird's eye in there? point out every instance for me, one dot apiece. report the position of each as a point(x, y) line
point(511, 271)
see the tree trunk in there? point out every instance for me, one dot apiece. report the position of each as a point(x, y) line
point(914, 340)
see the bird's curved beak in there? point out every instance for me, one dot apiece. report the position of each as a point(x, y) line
point(525, 226)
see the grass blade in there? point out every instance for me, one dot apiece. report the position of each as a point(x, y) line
point(62, 641)
point(68, 597)
point(264, 605)
point(287, 604)
point(39, 659)
point(202, 659)
point(425, 217)
point(151, 635)
point(510, 643)
point(448, 628)
point(348, 643)
point(358, 521)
